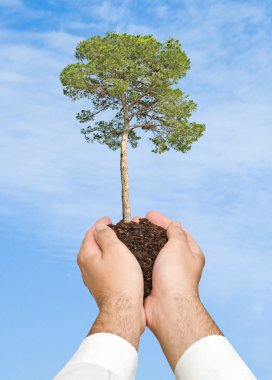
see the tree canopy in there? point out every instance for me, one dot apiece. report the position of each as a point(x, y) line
point(135, 76)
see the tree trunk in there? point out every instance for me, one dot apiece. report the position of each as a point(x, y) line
point(124, 179)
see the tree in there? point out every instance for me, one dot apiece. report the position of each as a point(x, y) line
point(133, 76)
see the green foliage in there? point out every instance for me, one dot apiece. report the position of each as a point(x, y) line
point(134, 75)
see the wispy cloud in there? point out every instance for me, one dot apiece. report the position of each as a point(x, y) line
point(161, 10)
point(221, 190)
point(40, 132)
point(11, 3)
point(110, 11)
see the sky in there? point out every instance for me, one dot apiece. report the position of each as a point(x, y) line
point(53, 185)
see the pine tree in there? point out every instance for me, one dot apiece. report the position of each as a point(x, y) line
point(134, 76)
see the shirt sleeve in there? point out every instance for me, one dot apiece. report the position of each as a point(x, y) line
point(212, 358)
point(101, 356)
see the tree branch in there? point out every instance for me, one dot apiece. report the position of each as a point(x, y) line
point(138, 99)
point(102, 109)
point(144, 126)
point(147, 106)
point(96, 85)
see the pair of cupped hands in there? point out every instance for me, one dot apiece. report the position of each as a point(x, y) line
point(114, 278)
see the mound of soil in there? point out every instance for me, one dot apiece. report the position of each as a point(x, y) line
point(144, 240)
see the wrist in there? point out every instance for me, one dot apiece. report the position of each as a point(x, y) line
point(179, 323)
point(122, 318)
point(169, 310)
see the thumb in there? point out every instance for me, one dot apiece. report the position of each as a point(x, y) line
point(105, 237)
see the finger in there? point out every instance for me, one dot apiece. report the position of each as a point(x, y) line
point(194, 247)
point(89, 239)
point(176, 235)
point(136, 219)
point(105, 237)
point(159, 219)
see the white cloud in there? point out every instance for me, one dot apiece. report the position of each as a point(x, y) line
point(11, 3)
point(110, 11)
point(220, 189)
point(161, 10)
point(134, 28)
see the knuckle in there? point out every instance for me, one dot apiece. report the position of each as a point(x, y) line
point(202, 258)
point(80, 259)
point(107, 238)
point(180, 234)
point(102, 234)
point(178, 228)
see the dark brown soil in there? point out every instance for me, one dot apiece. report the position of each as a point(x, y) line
point(144, 240)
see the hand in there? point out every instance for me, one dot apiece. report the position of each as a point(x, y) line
point(173, 310)
point(179, 265)
point(114, 278)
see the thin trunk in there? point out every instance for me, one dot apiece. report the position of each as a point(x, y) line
point(124, 179)
point(124, 164)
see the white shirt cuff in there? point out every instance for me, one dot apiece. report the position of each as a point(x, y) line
point(212, 358)
point(108, 351)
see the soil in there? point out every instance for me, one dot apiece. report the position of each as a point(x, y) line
point(144, 240)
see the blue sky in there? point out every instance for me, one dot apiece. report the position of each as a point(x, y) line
point(53, 185)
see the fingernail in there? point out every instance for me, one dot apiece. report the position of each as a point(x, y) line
point(176, 223)
point(100, 226)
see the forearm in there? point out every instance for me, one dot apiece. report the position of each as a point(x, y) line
point(123, 318)
point(110, 350)
point(186, 322)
